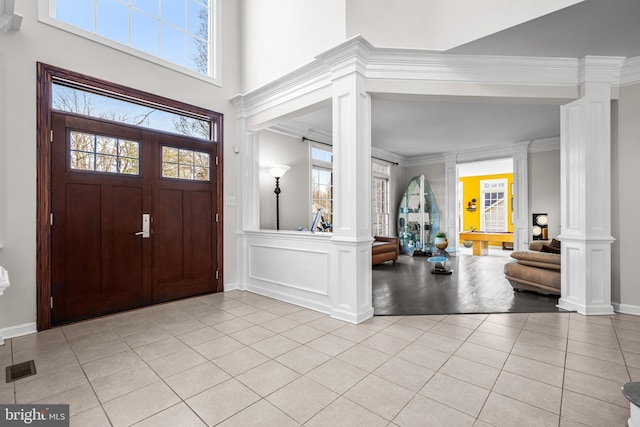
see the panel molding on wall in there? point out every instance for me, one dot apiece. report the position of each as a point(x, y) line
point(288, 266)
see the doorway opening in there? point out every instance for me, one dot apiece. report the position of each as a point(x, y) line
point(129, 198)
point(485, 202)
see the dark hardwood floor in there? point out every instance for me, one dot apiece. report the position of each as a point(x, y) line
point(477, 285)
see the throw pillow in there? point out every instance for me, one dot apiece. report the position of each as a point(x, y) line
point(555, 244)
point(549, 249)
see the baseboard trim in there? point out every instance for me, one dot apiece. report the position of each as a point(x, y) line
point(231, 286)
point(18, 330)
point(569, 304)
point(626, 308)
point(288, 298)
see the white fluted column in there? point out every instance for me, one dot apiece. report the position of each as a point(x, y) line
point(351, 241)
point(585, 156)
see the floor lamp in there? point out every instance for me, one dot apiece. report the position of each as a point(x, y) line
point(277, 171)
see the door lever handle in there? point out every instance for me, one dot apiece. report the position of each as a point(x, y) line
point(146, 222)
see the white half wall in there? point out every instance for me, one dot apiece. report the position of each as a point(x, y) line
point(291, 266)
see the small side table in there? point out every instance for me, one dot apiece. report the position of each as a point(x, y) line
point(441, 263)
point(632, 392)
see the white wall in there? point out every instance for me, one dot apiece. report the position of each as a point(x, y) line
point(278, 36)
point(439, 24)
point(295, 206)
point(19, 52)
point(544, 189)
point(625, 267)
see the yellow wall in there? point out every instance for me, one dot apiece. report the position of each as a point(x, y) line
point(471, 190)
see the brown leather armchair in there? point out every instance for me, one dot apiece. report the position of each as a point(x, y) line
point(384, 248)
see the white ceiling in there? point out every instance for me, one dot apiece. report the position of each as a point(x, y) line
point(419, 126)
point(412, 126)
point(592, 27)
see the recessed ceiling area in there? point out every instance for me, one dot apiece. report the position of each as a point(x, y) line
point(413, 126)
point(420, 127)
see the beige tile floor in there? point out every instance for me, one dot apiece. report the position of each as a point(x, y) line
point(241, 359)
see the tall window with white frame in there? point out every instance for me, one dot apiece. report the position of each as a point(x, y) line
point(322, 185)
point(494, 205)
point(381, 174)
point(181, 32)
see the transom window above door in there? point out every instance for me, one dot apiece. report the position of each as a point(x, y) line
point(183, 33)
point(79, 101)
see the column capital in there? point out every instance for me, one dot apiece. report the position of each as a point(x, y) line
point(451, 156)
point(599, 72)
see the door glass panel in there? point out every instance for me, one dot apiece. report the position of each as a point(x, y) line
point(185, 164)
point(101, 153)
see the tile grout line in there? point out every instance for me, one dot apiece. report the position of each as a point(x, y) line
point(501, 370)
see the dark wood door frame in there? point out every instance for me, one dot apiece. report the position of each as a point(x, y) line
point(46, 75)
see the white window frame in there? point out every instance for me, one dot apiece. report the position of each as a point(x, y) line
point(319, 164)
point(505, 218)
point(386, 178)
point(46, 10)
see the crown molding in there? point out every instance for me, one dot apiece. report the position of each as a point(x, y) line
point(483, 69)
point(9, 20)
point(487, 153)
point(600, 69)
point(429, 159)
point(630, 72)
point(493, 152)
point(386, 64)
point(545, 144)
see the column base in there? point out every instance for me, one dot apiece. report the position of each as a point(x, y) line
point(348, 316)
point(589, 310)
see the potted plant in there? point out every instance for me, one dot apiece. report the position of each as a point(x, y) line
point(471, 206)
point(441, 240)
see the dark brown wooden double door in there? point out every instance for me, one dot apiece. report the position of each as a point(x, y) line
point(105, 178)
